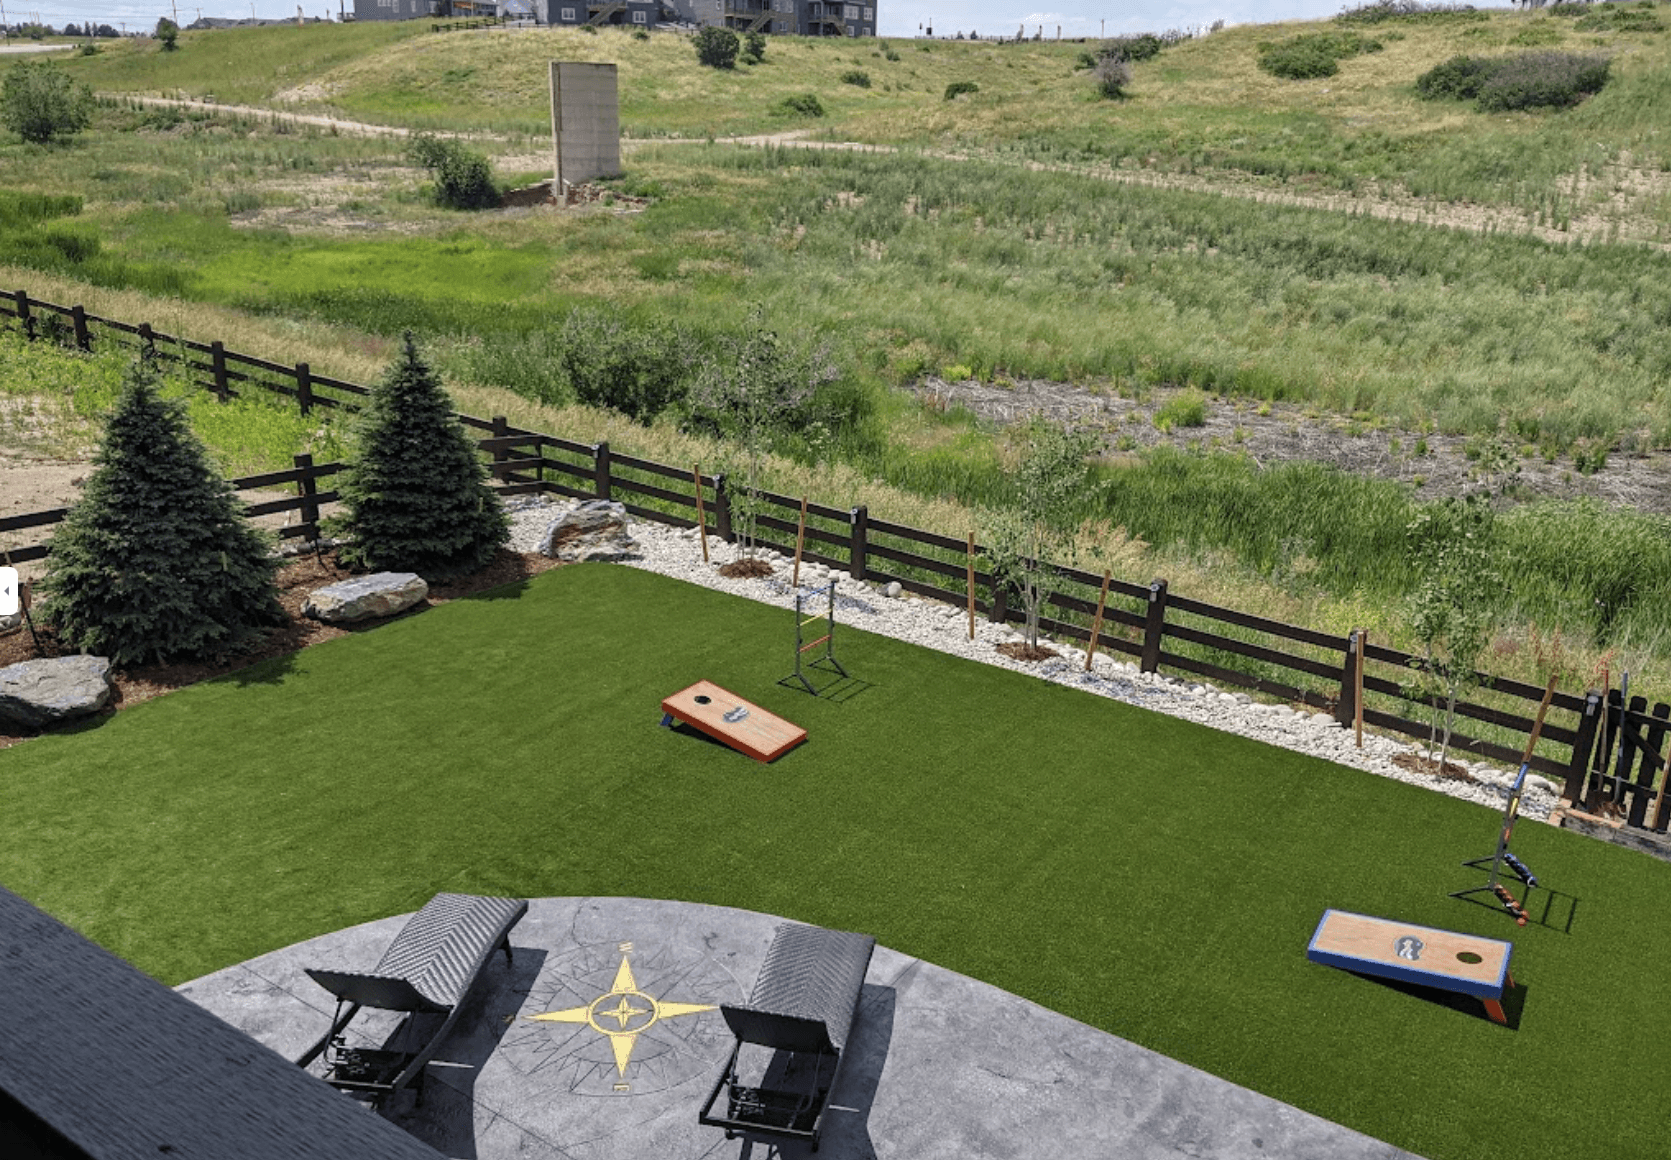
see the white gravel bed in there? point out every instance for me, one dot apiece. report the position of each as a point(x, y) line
point(945, 627)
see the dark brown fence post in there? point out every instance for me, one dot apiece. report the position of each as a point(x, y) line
point(1346, 705)
point(722, 511)
point(307, 487)
point(1154, 627)
point(304, 388)
point(1000, 603)
point(1650, 767)
point(600, 453)
point(217, 365)
point(24, 316)
point(501, 428)
point(78, 318)
point(1579, 767)
point(859, 520)
point(147, 341)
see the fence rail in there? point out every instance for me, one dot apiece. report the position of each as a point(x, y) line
point(1300, 664)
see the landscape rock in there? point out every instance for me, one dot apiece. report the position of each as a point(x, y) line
point(893, 589)
point(7, 623)
point(366, 597)
point(597, 529)
point(41, 692)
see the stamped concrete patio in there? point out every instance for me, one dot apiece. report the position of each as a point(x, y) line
point(632, 1042)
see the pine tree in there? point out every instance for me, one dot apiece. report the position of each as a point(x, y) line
point(417, 495)
point(157, 562)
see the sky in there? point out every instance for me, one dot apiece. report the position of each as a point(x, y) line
point(898, 18)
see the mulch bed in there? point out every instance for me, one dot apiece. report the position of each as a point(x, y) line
point(1416, 763)
point(298, 577)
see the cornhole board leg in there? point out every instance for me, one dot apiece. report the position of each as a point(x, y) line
point(1425, 955)
point(726, 717)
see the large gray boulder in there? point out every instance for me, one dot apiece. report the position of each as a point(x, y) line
point(38, 693)
point(596, 530)
point(366, 597)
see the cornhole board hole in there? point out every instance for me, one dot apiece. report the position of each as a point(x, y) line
point(1424, 955)
point(726, 717)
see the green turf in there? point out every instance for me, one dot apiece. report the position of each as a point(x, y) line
point(1137, 872)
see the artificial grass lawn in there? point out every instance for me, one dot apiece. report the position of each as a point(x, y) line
point(1137, 872)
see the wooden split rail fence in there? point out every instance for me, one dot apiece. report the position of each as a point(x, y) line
point(1159, 630)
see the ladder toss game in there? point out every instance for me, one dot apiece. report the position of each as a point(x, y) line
point(802, 645)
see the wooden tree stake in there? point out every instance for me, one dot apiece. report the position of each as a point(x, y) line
point(1357, 680)
point(971, 585)
point(1096, 625)
point(701, 517)
point(800, 537)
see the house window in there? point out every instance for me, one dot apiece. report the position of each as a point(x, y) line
point(850, 11)
point(870, 14)
point(640, 17)
point(867, 30)
point(851, 31)
point(568, 14)
point(783, 26)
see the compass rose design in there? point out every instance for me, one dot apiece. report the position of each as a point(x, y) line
point(624, 1018)
point(630, 1021)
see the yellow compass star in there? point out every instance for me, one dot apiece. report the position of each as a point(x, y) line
point(624, 989)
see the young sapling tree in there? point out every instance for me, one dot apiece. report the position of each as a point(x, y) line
point(1452, 609)
point(1026, 539)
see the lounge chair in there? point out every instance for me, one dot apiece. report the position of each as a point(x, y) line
point(804, 1003)
point(428, 970)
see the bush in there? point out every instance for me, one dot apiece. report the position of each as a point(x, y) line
point(801, 104)
point(1382, 11)
point(1312, 54)
point(855, 76)
point(716, 47)
point(1617, 18)
point(463, 178)
point(958, 88)
point(417, 493)
point(169, 33)
point(1144, 46)
point(40, 103)
point(1112, 75)
point(1457, 79)
point(157, 561)
point(754, 47)
point(1542, 80)
point(640, 34)
point(638, 371)
point(1529, 80)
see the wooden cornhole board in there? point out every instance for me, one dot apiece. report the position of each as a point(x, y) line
point(726, 717)
point(1415, 954)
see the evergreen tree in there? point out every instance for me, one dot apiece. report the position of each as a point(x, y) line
point(417, 496)
point(157, 562)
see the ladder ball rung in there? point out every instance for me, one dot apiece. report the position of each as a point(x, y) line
point(813, 644)
point(813, 620)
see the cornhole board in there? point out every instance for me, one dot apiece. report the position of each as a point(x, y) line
point(726, 717)
point(1415, 954)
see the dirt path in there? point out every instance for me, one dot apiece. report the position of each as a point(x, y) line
point(353, 128)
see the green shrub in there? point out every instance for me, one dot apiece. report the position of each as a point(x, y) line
point(40, 103)
point(169, 33)
point(1312, 54)
point(1457, 79)
point(1618, 18)
point(1537, 34)
point(1111, 75)
point(639, 371)
point(754, 47)
point(640, 34)
point(801, 105)
point(1186, 409)
point(463, 178)
point(157, 561)
point(958, 88)
point(1381, 11)
point(716, 47)
point(417, 493)
point(857, 77)
point(1143, 46)
point(1542, 80)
